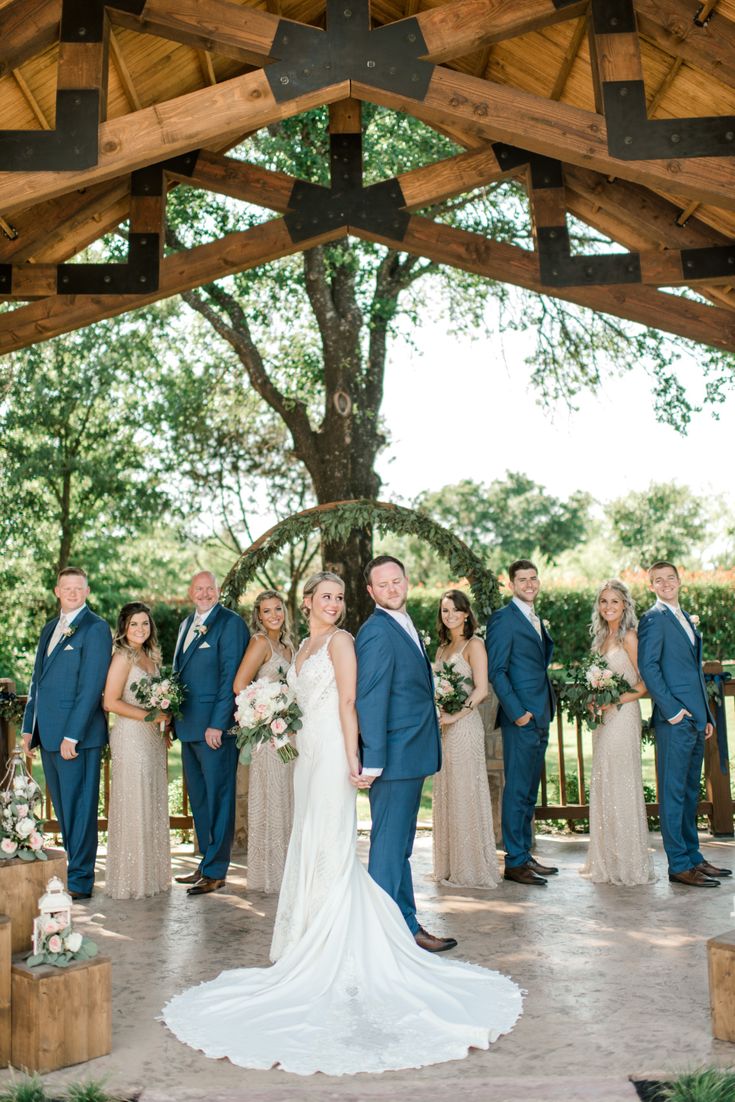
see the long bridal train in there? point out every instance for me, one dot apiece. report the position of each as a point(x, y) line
point(350, 991)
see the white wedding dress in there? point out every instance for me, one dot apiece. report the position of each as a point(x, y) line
point(351, 991)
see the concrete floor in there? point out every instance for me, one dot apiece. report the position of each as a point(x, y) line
point(616, 981)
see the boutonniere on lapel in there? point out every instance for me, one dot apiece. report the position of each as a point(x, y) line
point(69, 630)
point(425, 639)
point(694, 620)
point(200, 630)
point(547, 625)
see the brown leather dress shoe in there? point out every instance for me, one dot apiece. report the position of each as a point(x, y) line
point(188, 877)
point(712, 870)
point(693, 878)
point(432, 944)
point(80, 895)
point(523, 874)
point(539, 869)
point(204, 886)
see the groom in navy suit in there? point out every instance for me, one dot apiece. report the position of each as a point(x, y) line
point(399, 735)
point(64, 716)
point(519, 650)
point(211, 642)
point(670, 663)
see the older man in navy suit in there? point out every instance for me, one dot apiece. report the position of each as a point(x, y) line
point(670, 663)
point(64, 717)
point(519, 650)
point(399, 735)
point(211, 642)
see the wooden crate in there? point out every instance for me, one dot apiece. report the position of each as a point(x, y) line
point(5, 961)
point(61, 1016)
point(721, 968)
point(22, 883)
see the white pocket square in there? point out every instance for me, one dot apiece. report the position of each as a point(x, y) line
point(68, 647)
point(205, 646)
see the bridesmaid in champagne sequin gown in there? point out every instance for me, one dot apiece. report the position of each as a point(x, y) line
point(270, 782)
point(463, 835)
point(619, 843)
point(138, 840)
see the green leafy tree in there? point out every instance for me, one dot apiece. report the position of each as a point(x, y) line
point(666, 521)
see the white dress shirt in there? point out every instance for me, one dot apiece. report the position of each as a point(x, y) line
point(530, 614)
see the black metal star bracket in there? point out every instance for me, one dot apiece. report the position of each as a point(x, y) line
point(73, 144)
point(379, 208)
point(386, 57)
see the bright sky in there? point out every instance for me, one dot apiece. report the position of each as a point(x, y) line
point(465, 409)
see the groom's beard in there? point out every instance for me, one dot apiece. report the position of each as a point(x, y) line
point(395, 604)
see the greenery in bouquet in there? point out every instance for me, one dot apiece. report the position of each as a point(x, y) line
point(11, 708)
point(160, 694)
point(591, 686)
point(266, 712)
point(451, 688)
point(21, 823)
point(61, 945)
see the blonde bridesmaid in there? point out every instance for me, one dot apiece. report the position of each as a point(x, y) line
point(138, 839)
point(463, 835)
point(270, 786)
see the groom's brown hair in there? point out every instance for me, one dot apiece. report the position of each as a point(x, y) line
point(381, 560)
point(662, 564)
point(520, 564)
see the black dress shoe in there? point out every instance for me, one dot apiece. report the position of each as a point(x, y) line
point(541, 870)
point(188, 877)
point(693, 878)
point(204, 886)
point(523, 874)
point(712, 870)
point(80, 895)
point(432, 944)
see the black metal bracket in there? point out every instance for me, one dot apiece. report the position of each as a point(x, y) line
point(387, 57)
point(631, 135)
point(379, 208)
point(73, 145)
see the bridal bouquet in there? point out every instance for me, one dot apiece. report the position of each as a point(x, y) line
point(21, 824)
point(450, 693)
point(159, 693)
point(591, 687)
point(266, 710)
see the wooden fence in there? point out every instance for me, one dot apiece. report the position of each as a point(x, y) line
point(718, 806)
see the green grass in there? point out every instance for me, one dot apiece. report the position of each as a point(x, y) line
point(26, 1090)
point(702, 1085)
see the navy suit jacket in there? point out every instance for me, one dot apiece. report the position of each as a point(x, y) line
point(65, 695)
point(399, 731)
point(518, 661)
point(207, 670)
point(671, 667)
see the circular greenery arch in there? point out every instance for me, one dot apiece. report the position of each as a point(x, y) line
point(338, 519)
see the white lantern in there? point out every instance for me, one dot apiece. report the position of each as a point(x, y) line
point(54, 915)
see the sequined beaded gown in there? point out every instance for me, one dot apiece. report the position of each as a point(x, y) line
point(462, 836)
point(350, 991)
point(618, 852)
point(138, 842)
point(270, 802)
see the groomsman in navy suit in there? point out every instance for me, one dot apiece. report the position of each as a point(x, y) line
point(519, 650)
point(211, 642)
point(670, 663)
point(64, 717)
point(399, 735)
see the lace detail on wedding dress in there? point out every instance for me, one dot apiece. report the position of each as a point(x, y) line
point(350, 990)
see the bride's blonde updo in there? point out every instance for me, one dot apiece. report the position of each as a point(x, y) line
point(628, 621)
point(311, 586)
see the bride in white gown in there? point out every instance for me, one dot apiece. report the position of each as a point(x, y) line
point(350, 990)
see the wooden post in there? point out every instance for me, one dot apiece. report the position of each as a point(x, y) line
point(721, 971)
point(61, 1016)
point(717, 782)
point(5, 962)
point(7, 731)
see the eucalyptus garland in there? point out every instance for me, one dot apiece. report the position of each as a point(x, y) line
point(338, 520)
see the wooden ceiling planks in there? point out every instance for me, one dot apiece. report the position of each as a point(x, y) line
point(688, 72)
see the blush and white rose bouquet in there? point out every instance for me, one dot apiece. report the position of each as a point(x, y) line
point(21, 820)
point(592, 687)
point(159, 693)
point(266, 712)
point(451, 689)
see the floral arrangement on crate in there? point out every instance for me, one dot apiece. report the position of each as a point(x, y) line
point(266, 712)
point(591, 687)
point(450, 692)
point(61, 945)
point(160, 694)
point(21, 822)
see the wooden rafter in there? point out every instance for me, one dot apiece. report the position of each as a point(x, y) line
point(570, 57)
point(670, 25)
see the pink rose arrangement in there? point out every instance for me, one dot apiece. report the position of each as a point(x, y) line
point(60, 945)
point(266, 711)
point(159, 694)
point(21, 822)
